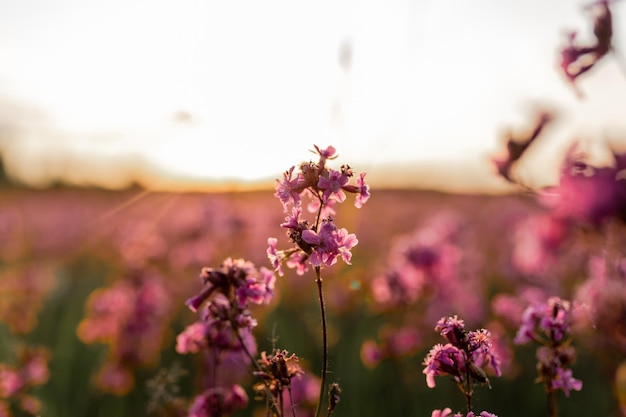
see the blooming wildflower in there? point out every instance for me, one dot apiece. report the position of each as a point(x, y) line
point(550, 321)
point(363, 192)
point(257, 290)
point(333, 186)
point(452, 328)
point(298, 261)
point(288, 190)
point(192, 339)
point(218, 402)
point(566, 382)
point(329, 243)
point(320, 242)
point(275, 256)
point(446, 412)
point(443, 360)
point(586, 193)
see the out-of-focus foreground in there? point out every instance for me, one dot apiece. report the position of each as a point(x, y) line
point(93, 285)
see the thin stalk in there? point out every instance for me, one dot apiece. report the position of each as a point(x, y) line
point(293, 405)
point(318, 280)
point(552, 408)
point(268, 391)
point(468, 392)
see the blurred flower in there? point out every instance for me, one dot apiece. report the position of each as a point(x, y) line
point(575, 59)
point(585, 193)
point(131, 318)
point(219, 402)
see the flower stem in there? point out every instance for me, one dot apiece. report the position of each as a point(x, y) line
point(318, 280)
point(467, 389)
point(256, 365)
point(552, 408)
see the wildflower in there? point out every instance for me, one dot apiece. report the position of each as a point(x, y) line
point(333, 186)
point(289, 189)
point(319, 242)
point(566, 382)
point(329, 243)
point(446, 412)
point(586, 193)
point(549, 324)
point(452, 328)
point(464, 357)
point(219, 401)
point(443, 360)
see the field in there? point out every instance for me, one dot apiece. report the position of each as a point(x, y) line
point(94, 283)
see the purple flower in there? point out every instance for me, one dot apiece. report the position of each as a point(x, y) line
point(257, 290)
point(288, 190)
point(586, 193)
point(192, 339)
point(363, 192)
point(547, 321)
point(565, 381)
point(329, 243)
point(446, 412)
point(275, 256)
point(218, 402)
point(332, 186)
point(452, 328)
point(443, 360)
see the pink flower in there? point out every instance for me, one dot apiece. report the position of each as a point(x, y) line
point(443, 360)
point(192, 339)
point(332, 186)
point(565, 381)
point(363, 191)
point(329, 243)
point(288, 190)
point(257, 289)
point(442, 413)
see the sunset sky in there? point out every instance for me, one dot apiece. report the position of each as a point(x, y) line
point(106, 92)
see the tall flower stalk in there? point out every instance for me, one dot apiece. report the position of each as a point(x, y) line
point(549, 325)
point(320, 243)
point(465, 357)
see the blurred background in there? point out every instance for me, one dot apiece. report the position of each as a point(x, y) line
point(169, 94)
point(140, 141)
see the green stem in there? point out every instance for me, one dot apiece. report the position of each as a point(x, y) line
point(318, 280)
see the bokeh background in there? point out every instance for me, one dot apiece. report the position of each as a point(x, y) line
point(140, 141)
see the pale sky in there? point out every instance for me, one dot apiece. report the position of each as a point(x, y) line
point(92, 91)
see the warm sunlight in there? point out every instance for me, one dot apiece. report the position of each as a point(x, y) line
point(213, 91)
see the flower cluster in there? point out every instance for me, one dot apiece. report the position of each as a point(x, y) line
point(16, 381)
point(549, 324)
point(447, 412)
point(465, 357)
point(321, 243)
point(224, 331)
point(430, 264)
point(130, 317)
point(586, 193)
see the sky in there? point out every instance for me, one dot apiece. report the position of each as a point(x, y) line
point(166, 92)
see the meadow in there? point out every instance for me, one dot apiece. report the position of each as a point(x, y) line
point(278, 302)
point(489, 257)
